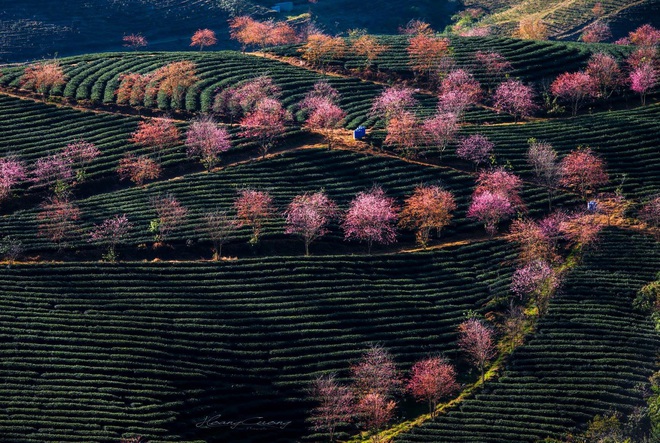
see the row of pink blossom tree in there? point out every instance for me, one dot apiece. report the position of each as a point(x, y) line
point(603, 76)
point(57, 172)
point(370, 401)
point(370, 218)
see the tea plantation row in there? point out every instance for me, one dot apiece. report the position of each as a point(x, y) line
point(592, 354)
point(93, 351)
point(342, 174)
point(532, 60)
point(95, 77)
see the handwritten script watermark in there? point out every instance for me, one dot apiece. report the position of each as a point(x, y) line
point(252, 423)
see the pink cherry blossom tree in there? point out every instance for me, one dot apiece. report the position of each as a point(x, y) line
point(458, 91)
point(429, 208)
point(335, 404)
point(55, 172)
point(580, 229)
point(478, 341)
point(533, 277)
point(514, 98)
point(393, 101)
point(431, 380)
point(375, 411)
point(403, 133)
point(111, 232)
point(439, 130)
point(371, 217)
point(265, 124)
point(12, 172)
point(206, 140)
point(583, 172)
point(475, 148)
point(320, 90)
point(376, 373)
point(646, 36)
point(534, 240)
point(536, 279)
point(254, 208)
point(596, 32)
point(203, 37)
point(220, 227)
point(134, 41)
point(325, 117)
point(138, 169)
point(643, 79)
point(156, 134)
point(500, 181)
point(308, 215)
point(542, 157)
point(170, 215)
point(574, 88)
point(490, 208)
point(605, 72)
point(81, 154)
point(494, 62)
point(57, 220)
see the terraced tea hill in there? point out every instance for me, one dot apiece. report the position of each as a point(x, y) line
point(94, 78)
point(532, 60)
point(341, 173)
point(90, 351)
point(31, 130)
point(592, 355)
point(620, 137)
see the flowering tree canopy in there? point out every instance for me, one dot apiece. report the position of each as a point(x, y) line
point(582, 171)
point(266, 123)
point(134, 41)
point(431, 380)
point(514, 98)
point(138, 169)
point(220, 227)
point(335, 404)
point(475, 148)
point(371, 217)
point(57, 219)
point(112, 231)
point(12, 172)
point(490, 209)
point(157, 134)
point(428, 55)
point(494, 62)
point(43, 76)
point(605, 72)
point(478, 342)
point(642, 79)
point(574, 87)
point(170, 215)
point(596, 32)
point(393, 101)
point(254, 208)
point(458, 91)
point(429, 208)
point(308, 216)
point(206, 140)
point(203, 37)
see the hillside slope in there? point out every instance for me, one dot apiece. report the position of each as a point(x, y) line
point(592, 354)
point(567, 18)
